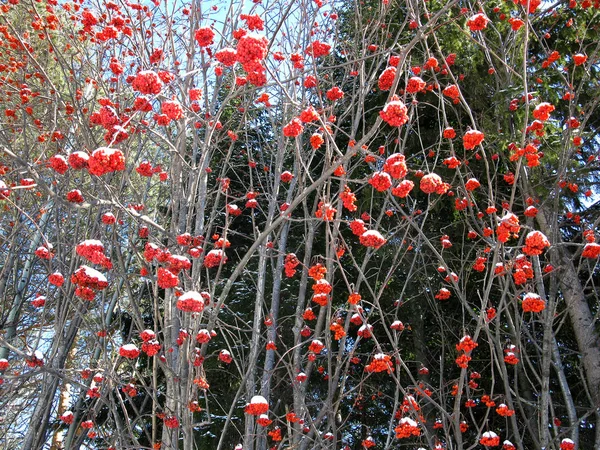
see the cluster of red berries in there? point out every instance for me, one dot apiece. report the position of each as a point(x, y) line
point(406, 428)
point(403, 189)
point(129, 351)
point(535, 243)
point(290, 264)
point(193, 301)
point(318, 49)
point(395, 112)
point(93, 251)
point(372, 239)
point(147, 82)
point(381, 181)
point(508, 226)
point(432, 183)
point(478, 22)
point(386, 79)
point(105, 160)
point(214, 258)
point(472, 139)
point(533, 303)
point(294, 128)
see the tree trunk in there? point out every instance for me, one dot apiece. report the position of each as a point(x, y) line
point(580, 315)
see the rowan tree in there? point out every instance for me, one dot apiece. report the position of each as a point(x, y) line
point(299, 224)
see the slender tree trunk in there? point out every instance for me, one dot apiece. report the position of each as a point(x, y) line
point(580, 315)
point(299, 391)
point(63, 404)
point(23, 282)
point(583, 324)
point(249, 439)
point(38, 425)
